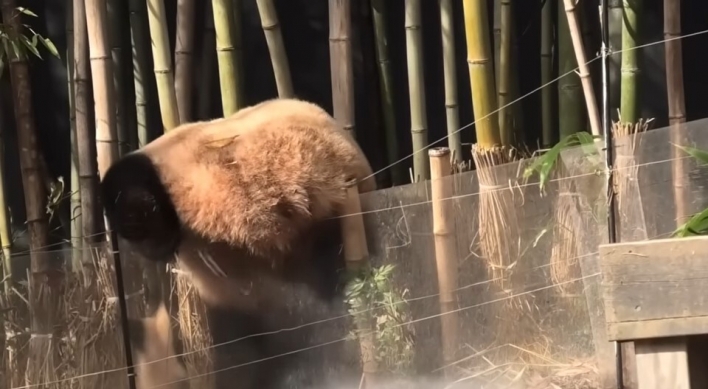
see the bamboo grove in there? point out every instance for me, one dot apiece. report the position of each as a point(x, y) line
point(139, 68)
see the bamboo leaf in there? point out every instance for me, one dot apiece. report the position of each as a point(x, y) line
point(699, 155)
point(696, 225)
point(49, 45)
point(27, 12)
point(545, 163)
point(31, 45)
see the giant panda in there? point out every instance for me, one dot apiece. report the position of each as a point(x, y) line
point(248, 205)
point(154, 356)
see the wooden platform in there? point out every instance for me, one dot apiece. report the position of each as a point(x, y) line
point(656, 294)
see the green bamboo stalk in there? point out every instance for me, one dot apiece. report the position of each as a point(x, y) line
point(226, 54)
point(115, 19)
point(184, 45)
point(342, 72)
point(103, 92)
point(517, 112)
point(549, 137)
point(162, 63)
point(274, 38)
point(416, 89)
point(496, 34)
point(481, 74)
point(238, 45)
point(207, 65)
point(570, 94)
point(138, 37)
point(75, 199)
point(631, 31)
point(504, 73)
point(450, 76)
point(379, 12)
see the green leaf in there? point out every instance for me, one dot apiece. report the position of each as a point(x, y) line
point(50, 46)
point(544, 164)
point(26, 11)
point(696, 225)
point(699, 155)
point(30, 45)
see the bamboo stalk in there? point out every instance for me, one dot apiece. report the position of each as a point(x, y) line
point(379, 11)
point(340, 55)
point(138, 37)
point(91, 221)
point(75, 199)
point(207, 66)
point(549, 137)
point(162, 63)
point(450, 76)
point(516, 112)
point(356, 255)
point(445, 250)
point(570, 105)
point(630, 69)
point(103, 92)
point(584, 71)
point(504, 73)
point(115, 13)
point(184, 64)
point(416, 89)
point(496, 34)
point(278, 56)
point(481, 74)
point(677, 106)
point(226, 54)
point(5, 229)
point(45, 281)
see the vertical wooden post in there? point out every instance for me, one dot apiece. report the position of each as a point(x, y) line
point(356, 254)
point(445, 248)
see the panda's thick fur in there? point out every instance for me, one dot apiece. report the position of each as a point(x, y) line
point(248, 206)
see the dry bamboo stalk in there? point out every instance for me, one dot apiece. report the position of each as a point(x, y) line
point(445, 250)
point(584, 71)
point(340, 56)
point(92, 222)
point(450, 73)
point(631, 37)
point(184, 45)
point(416, 89)
point(5, 232)
point(103, 92)
point(274, 38)
point(229, 64)
point(138, 37)
point(677, 106)
point(162, 63)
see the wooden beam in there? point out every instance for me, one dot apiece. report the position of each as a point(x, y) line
point(654, 289)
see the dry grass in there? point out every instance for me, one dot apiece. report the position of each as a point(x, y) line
point(193, 332)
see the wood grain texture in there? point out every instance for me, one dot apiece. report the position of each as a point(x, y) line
point(663, 364)
point(655, 288)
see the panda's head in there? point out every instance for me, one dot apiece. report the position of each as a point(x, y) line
point(138, 207)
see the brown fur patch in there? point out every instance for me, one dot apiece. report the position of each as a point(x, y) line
point(261, 177)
